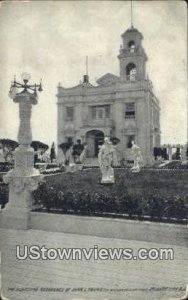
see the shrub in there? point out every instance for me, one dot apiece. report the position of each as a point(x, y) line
point(100, 202)
point(3, 194)
point(46, 195)
point(177, 207)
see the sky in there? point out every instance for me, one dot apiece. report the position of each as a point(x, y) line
point(50, 40)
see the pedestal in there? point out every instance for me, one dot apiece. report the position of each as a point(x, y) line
point(71, 168)
point(148, 161)
point(170, 154)
point(22, 181)
point(136, 167)
point(107, 175)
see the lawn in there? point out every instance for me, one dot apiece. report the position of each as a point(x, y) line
point(164, 182)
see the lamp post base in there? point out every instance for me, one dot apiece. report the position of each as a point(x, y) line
point(16, 214)
point(15, 218)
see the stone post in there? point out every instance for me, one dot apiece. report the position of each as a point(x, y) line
point(184, 155)
point(170, 153)
point(24, 178)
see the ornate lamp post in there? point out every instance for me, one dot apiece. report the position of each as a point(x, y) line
point(24, 178)
point(25, 99)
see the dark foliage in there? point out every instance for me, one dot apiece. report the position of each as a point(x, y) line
point(5, 166)
point(9, 143)
point(150, 194)
point(3, 194)
point(39, 145)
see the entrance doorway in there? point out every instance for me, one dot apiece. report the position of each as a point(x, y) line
point(94, 138)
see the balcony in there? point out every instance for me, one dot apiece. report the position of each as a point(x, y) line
point(106, 122)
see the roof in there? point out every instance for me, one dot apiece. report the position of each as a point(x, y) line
point(79, 86)
point(107, 79)
point(132, 30)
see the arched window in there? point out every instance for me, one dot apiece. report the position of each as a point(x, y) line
point(131, 72)
point(131, 46)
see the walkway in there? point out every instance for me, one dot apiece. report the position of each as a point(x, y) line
point(135, 279)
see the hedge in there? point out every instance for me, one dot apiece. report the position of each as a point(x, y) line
point(133, 195)
point(3, 194)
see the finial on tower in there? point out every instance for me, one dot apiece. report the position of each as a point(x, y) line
point(131, 14)
point(86, 65)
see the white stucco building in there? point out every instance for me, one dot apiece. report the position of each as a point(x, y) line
point(121, 106)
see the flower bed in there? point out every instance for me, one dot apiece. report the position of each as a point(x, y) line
point(49, 168)
point(51, 171)
point(161, 196)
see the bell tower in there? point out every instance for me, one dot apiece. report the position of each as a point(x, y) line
point(132, 56)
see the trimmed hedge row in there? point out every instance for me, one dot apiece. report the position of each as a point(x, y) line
point(158, 195)
point(100, 202)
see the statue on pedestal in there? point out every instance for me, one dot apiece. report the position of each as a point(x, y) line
point(105, 159)
point(137, 158)
point(71, 166)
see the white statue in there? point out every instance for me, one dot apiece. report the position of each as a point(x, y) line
point(137, 158)
point(71, 166)
point(60, 158)
point(69, 156)
point(116, 156)
point(82, 157)
point(105, 159)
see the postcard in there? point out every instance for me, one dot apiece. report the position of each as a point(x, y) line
point(93, 150)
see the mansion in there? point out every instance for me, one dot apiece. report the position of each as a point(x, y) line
point(123, 106)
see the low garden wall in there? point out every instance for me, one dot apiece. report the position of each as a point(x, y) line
point(170, 234)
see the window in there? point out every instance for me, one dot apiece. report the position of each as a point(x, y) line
point(69, 113)
point(130, 138)
point(131, 46)
point(100, 112)
point(131, 72)
point(130, 110)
